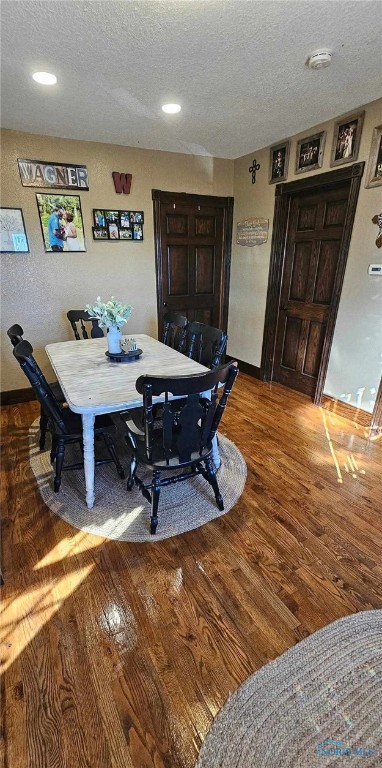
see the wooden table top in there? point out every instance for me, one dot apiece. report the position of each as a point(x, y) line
point(91, 383)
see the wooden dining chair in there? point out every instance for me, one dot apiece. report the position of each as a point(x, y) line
point(64, 425)
point(205, 344)
point(184, 441)
point(15, 334)
point(81, 321)
point(175, 327)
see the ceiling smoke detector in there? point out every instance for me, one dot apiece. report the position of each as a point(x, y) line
point(320, 59)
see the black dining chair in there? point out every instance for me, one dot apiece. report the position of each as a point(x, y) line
point(184, 441)
point(81, 321)
point(205, 344)
point(16, 333)
point(174, 333)
point(64, 425)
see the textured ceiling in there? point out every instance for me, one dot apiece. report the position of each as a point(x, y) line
point(237, 67)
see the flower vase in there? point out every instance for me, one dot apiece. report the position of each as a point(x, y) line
point(114, 340)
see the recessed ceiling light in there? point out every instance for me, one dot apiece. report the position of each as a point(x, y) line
point(45, 78)
point(171, 109)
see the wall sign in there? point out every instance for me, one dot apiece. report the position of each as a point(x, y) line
point(122, 182)
point(40, 173)
point(252, 231)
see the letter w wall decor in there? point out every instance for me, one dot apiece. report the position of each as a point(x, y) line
point(122, 182)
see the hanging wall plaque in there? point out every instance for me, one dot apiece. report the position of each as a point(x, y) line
point(252, 231)
point(40, 173)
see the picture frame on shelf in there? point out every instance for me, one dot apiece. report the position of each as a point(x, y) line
point(13, 236)
point(278, 162)
point(310, 152)
point(374, 167)
point(346, 139)
point(61, 223)
point(115, 225)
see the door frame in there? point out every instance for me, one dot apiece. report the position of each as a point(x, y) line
point(284, 194)
point(376, 416)
point(159, 197)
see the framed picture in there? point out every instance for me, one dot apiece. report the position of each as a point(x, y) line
point(100, 233)
point(374, 168)
point(124, 217)
point(99, 218)
point(346, 139)
point(13, 237)
point(278, 162)
point(61, 222)
point(137, 232)
point(113, 231)
point(310, 152)
point(112, 217)
point(117, 225)
point(125, 234)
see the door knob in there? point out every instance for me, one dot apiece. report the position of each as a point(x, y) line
point(165, 303)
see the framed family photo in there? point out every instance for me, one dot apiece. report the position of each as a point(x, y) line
point(13, 237)
point(100, 233)
point(310, 152)
point(117, 225)
point(374, 168)
point(61, 223)
point(346, 139)
point(278, 162)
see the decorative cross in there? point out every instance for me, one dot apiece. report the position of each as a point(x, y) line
point(377, 219)
point(253, 168)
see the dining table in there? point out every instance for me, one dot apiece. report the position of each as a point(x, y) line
point(93, 384)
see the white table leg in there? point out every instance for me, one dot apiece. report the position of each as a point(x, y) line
point(215, 448)
point(215, 452)
point(88, 435)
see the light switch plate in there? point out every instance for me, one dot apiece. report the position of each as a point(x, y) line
point(375, 269)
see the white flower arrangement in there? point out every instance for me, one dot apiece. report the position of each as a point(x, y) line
point(111, 314)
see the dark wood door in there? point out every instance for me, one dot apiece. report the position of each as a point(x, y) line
point(308, 292)
point(193, 249)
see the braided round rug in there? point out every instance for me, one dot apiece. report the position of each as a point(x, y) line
point(125, 515)
point(317, 705)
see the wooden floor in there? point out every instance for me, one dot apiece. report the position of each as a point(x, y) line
point(122, 654)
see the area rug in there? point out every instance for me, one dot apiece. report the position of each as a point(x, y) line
point(125, 515)
point(317, 705)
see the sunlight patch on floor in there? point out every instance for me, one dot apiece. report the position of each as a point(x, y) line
point(76, 544)
point(331, 447)
point(24, 615)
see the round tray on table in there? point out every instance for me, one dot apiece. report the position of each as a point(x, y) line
point(123, 357)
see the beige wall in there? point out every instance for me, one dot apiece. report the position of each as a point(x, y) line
point(38, 288)
point(356, 356)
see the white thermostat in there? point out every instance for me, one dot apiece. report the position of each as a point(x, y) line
point(375, 269)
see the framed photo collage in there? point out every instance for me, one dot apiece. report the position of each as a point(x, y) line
point(117, 225)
